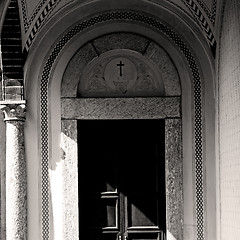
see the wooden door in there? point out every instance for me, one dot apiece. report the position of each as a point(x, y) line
point(122, 180)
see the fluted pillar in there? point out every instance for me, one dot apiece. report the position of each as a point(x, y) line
point(16, 174)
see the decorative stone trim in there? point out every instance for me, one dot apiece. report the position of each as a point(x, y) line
point(198, 17)
point(211, 13)
point(105, 76)
point(28, 21)
point(202, 21)
point(13, 111)
point(197, 100)
point(39, 22)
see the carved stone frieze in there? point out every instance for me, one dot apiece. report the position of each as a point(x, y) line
point(121, 73)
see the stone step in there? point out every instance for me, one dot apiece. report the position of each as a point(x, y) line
point(17, 75)
point(12, 44)
point(9, 33)
point(12, 68)
point(11, 41)
point(12, 61)
point(13, 80)
point(9, 51)
point(11, 21)
point(11, 26)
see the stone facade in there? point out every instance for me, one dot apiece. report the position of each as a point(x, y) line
point(168, 47)
point(228, 120)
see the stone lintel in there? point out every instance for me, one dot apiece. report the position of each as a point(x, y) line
point(14, 110)
point(121, 108)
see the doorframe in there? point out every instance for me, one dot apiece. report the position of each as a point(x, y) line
point(170, 112)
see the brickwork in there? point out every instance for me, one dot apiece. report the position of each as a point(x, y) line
point(229, 122)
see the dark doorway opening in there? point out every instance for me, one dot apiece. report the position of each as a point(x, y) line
point(122, 179)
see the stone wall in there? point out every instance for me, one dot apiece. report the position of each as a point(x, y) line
point(2, 178)
point(229, 122)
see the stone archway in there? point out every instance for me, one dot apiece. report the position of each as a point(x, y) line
point(165, 104)
point(51, 72)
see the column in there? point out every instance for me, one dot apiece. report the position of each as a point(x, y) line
point(16, 174)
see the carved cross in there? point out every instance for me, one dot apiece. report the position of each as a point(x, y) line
point(120, 65)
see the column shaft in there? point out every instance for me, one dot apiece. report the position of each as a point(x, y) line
point(16, 172)
point(16, 182)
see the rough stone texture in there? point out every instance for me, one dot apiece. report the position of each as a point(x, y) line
point(120, 108)
point(167, 69)
point(13, 89)
point(3, 178)
point(16, 182)
point(121, 41)
point(74, 70)
point(174, 179)
point(16, 174)
point(13, 111)
point(117, 41)
point(229, 122)
point(69, 149)
point(121, 73)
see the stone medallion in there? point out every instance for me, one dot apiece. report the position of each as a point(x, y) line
point(121, 72)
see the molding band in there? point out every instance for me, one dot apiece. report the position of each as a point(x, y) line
point(198, 17)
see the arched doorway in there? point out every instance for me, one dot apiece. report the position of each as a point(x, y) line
point(103, 96)
point(57, 185)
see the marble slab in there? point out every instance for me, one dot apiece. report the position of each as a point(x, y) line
point(174, 179)
point(120, 108)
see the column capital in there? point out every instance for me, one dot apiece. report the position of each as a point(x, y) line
point(14, 111)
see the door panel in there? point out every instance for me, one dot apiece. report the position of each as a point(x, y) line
point(144, 236)
point(100, 165)
point(142, 210)
point(102, 212)
point(121, 179)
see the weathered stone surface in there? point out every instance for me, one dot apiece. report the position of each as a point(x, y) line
point(120, 108)
point(16, 182)
point(74, 70)
point(128, 108)
point(69, 149)
point(3, 177)
point(13, 111)
point(168, 70)
point(121, 73)
point(16, 173)
point(174, 179)
point(121, 41)
point(152, 53)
